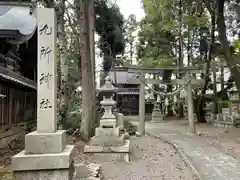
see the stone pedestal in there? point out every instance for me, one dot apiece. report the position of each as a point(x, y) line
point(108, 142)
point(225, 119)
point(120, 123)
point(43, 166)
point(157, 116)
point(120, 119)
point(46, 155)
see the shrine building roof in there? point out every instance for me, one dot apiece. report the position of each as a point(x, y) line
point(121, 77)
point(17, 25)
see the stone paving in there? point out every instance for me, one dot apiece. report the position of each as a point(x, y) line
point(209, 162)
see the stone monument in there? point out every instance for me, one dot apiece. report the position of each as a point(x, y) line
point(108, 140)
point(157, 116)
point(120, 121)
point(46, 155)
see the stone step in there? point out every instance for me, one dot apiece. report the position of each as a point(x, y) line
point(102, 132)
point(107, 141)
point(111, 157)
point(110, 153)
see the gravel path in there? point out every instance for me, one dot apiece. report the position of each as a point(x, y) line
point(151, 159)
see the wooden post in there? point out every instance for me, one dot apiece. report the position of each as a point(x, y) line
point(141, 127)
point(192, 125)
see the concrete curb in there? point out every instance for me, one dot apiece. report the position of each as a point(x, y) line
point(183, 155)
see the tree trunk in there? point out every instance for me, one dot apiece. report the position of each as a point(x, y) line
point(222, 76)
point(170, 105)
point(189, 56)
point(92, 47)
point(231, 63)
point(63, 65)
point(86, 69)
point(180, 55)
point(215, 110)
point(212, 57)
point(180, 51)
point(201, 102)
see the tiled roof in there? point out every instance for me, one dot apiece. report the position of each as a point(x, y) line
point(14, 77)
point(122, 76)
point(16, 23)
point(128, 93)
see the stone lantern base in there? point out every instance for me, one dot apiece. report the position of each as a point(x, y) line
point(157, 116)
point(109, 144)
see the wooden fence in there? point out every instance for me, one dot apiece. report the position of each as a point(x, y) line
point(17, 103)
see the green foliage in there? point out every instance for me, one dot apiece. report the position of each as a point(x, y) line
point(73, 121)
point(69, 120)
point(160, 61)
point(130, 128)
point(107, 18)
point(109, 26)
point(236, 46)
point(156, 37)
point(195, 21)
point(165, 25)
point(6, 173)
point(48, 3)
point(225, 102)
point(30, 121)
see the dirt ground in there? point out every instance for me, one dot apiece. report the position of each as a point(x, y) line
point(151, 159)
point(14, 147)
point(226, 139)
point(6, 154)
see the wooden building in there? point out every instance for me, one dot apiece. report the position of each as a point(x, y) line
point(127, 96)
point(18, 63)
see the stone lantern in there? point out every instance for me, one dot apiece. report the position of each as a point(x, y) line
point(157, 116)
point(108, 120)
point(107, 141)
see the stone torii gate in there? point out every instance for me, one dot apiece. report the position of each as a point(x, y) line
point(142, 81)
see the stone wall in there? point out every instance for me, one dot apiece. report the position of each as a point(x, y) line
point(227, 119)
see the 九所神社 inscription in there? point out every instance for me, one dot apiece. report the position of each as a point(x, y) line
point(45, 30)
point(45, 104)
point(45, 53)
point(47, 70)
point(45, 78)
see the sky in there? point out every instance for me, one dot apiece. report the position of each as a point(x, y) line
point(127, 7)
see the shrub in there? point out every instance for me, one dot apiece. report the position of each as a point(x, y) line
point(72, 123)
point(30, 122)
point(130, 128)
